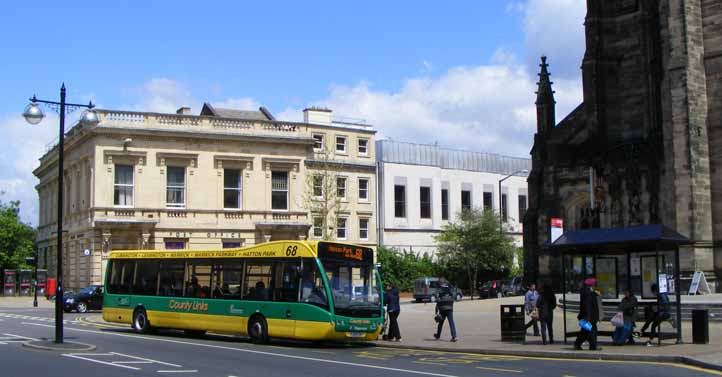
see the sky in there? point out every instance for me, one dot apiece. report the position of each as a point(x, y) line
point(459, 73)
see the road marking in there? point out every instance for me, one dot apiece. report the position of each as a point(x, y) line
point(20, 337)
point(148, 360)
point(410, 371)
point(500, 369)
point(99, 362)
point(428, 363)
point(178, 371)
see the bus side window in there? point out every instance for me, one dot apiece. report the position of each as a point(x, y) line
point(171, 278)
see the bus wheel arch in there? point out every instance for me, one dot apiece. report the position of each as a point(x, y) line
point(140, 322)
point(258, 329)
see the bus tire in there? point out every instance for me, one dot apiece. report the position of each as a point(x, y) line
point(194, 333)
point(258, 329)
point(140, 321)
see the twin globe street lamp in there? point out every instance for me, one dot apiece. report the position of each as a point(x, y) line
point(33, 114)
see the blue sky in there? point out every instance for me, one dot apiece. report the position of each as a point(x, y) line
point(411, 68)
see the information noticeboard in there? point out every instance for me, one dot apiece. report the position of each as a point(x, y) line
point(699, 283)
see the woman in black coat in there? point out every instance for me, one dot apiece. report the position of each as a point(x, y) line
point(545, 306)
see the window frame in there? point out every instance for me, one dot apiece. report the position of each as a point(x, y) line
point(522, 208)
point(182, 204)
point(344, 227)
point(345, 144)
point(402, 203)
point(124, 185)
point(345, 187)
point(362, 229)
point(444, 204)
point(366, 197)
point(425, 206)
point(365, 153)
point(318, 183)
point(239, 189)
point(287, 191)
point(464, 206)
point(322, 142)
point(319, 227)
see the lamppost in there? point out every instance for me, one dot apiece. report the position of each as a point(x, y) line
point(33, 114)
point(501, 215)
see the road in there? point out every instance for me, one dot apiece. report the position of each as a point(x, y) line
point(120, 352)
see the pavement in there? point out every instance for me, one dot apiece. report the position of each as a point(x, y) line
point(478, 330)
point(477, 324)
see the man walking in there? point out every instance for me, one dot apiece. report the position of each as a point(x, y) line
point(588, 311)
point(445, 309)
point(530, 305)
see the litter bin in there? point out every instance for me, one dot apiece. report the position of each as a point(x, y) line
point(512, 323)
point(700, 326)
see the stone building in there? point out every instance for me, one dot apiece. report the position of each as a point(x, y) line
point(645, 145)
point(423, 187)
point(224, 178)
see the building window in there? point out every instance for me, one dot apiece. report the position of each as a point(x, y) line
point(363, 189)
point(488, 201)
point(341, 228)
point(318, 227)
point(318, 142)
point(400, 201)
point(231, 189)
point(465, 199)
point(341, 187)
point(444, 204)
point(341, 144)
point(318, 186)
point(123, 193)
point(522, 207)
point(279, 190)
point(363, 147)
point(231, 244)
point(176, 186)
point(363, 229)
point(425, 202)
point(503, 208)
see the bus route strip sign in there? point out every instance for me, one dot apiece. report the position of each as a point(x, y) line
point(308, 290)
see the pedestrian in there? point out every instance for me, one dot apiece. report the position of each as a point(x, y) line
point(530, 305)
point(445, 309)
point(546, 305)
point(589, 312)
point(391, 298)
point(628, 308)
point(662, 313)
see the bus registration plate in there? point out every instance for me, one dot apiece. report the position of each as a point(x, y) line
point(356, 334)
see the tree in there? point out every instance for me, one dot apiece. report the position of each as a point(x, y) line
point(401, 267)
point(17, 240)
point(323, 196)
point(475, 243)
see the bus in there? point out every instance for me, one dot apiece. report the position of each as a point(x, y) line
point(307, 290)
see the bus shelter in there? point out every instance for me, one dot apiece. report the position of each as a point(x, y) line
point(631, 258)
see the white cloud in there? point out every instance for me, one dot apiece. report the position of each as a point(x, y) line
point(162, 95)
point(553, 28)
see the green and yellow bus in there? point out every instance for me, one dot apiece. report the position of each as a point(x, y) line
point(310, 290)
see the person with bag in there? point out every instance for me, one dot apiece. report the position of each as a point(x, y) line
point(530, 306)
point(624, 320)
point(588, 316)
point(546, 305)
point(444, 310)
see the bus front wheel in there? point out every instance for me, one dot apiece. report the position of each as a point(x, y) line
point(258, 330)
point(140, 321)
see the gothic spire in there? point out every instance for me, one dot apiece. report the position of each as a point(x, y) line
point(544, 93)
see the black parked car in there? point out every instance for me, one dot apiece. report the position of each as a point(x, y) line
point(490, 289)
point(89, 298)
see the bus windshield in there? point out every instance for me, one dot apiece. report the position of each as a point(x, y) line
point(354, 288)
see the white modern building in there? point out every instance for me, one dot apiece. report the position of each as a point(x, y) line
point(424, 187)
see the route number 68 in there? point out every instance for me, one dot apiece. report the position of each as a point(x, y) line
point(291, 251)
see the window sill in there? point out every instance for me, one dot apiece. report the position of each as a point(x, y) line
point(233, 209)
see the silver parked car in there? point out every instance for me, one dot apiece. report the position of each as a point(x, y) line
point(427, 289)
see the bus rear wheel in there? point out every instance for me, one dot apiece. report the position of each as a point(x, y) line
point(140, 321)
point(258, 330)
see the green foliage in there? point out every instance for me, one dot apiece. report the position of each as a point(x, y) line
point(401, 267)
point(17, 240)
point(476, 244)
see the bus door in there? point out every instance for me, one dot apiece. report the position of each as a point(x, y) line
point(285, 296)
point(119, 284)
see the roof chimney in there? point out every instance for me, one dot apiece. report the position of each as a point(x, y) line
point(183, 111)
point(317, 115)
